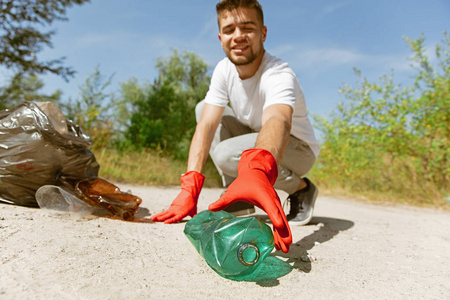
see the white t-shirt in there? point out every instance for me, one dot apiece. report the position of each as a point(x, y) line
point(273, 83)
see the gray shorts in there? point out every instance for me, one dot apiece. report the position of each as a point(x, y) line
point(232, 138)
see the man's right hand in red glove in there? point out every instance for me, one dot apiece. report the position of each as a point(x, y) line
point(258, 172)
point(185, 204)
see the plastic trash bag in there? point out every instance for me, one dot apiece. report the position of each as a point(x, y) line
point(38, 147)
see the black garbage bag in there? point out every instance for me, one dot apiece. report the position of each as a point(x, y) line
point(39, 146)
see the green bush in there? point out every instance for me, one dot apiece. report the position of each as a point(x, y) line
point(162, 114)
point(389, 140)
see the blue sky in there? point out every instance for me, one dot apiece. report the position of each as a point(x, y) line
point(321, 40)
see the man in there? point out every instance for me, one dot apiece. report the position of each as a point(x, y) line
point(265, 135)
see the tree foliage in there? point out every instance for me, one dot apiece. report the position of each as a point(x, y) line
point(390, 138)
point(162, 114)
point(23, 88)
point(93, 109)
point(21, 38)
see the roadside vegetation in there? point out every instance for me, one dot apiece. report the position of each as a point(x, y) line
point(384, 143)
point(389, 143)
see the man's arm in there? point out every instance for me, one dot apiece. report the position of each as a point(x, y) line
point(185, 204)
point(275, 130)
point(258, 171)
point(203, 136)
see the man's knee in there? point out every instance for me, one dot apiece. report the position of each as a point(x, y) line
point(226, 159)
point(221, 157)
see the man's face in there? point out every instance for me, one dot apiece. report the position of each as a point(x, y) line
point(242, 35)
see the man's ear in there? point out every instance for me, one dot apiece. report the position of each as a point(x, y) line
point(220, 39)
point(264, 33)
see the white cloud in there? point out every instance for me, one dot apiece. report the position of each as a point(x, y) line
point(330, 9)
point(208, 30)
point(333, 56)
point(317, 57)
point(324, 59)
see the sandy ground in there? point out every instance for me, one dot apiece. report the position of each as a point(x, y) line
point(355, 251)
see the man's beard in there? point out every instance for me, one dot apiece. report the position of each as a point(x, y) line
point(242, 60)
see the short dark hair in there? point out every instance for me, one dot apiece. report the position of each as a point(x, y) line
point(230, 5)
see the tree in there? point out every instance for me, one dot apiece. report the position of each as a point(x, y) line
point(157, 120)
point(93, 109)
point(23, 88)
point(391, 138)
point(162, 114)
point(21, 40)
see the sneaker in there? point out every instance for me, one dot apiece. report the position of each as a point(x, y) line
point(302, 204)
point(240, 208)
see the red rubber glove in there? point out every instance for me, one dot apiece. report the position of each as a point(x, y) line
point(258, 172)
point(186, 202)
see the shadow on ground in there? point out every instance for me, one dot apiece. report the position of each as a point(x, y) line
point(279, 264)
point(142, 213)
point(298, 253)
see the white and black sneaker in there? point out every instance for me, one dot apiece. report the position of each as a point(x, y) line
point(302, 204)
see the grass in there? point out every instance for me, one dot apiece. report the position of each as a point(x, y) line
point(147, 168)
point(150, 168)
point(427, 196)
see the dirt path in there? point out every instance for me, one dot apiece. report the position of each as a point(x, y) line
point(355, 251)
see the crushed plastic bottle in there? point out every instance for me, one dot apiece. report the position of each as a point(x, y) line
point(91, 196)
point(101, 193)
point(232, 246)
point(56, 200)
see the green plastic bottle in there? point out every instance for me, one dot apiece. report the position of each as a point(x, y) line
point(232, 246)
